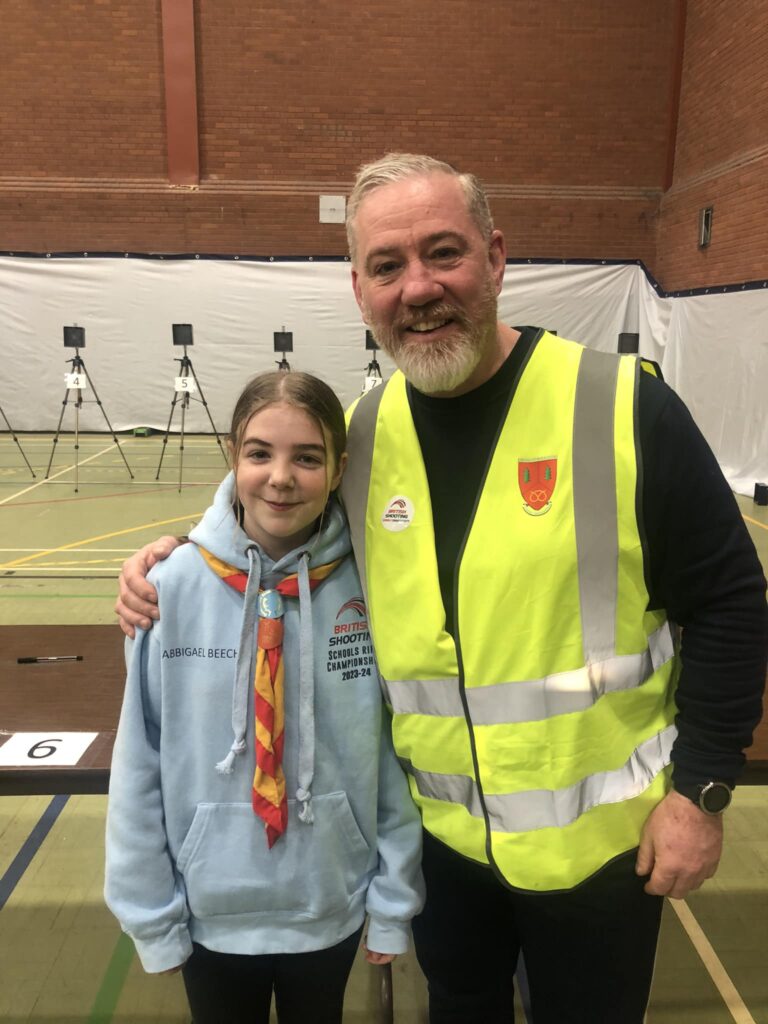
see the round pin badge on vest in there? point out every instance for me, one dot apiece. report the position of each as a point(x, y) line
point(398, 513)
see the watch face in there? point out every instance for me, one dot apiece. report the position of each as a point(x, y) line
point(715, 797)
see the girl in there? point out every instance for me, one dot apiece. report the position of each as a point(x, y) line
point(247, 838)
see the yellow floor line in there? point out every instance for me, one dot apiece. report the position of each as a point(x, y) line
point(57, 568)
point(67, 469)
point(711, 961)
point(80, 562)
point(90, 551)
point(103, 536)
point(763, 526)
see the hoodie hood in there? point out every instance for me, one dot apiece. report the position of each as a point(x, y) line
point(221, 535)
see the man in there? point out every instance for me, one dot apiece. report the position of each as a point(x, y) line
point(529, 517)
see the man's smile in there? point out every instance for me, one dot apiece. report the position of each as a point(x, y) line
point(427, 326)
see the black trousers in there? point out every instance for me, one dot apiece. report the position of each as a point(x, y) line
point(589, 953)
point(228, 988)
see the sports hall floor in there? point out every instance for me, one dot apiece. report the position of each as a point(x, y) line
point(62, 958)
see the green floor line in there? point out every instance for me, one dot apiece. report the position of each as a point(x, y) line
point(105, 1003)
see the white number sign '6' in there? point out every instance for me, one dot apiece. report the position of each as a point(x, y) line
point(30, 749)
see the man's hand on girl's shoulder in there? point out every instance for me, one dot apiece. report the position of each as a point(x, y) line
point(137, 600)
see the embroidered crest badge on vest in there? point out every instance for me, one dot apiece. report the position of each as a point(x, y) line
point(537, 478)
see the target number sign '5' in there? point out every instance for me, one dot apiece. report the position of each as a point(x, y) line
point(185, 384)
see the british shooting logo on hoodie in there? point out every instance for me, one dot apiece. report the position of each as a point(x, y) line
point(350, 650)
point(537, 478)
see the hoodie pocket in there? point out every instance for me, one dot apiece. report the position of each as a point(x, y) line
point(311, 871)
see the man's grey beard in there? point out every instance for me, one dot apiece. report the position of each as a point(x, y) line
point(434, 367)
point(438, 366)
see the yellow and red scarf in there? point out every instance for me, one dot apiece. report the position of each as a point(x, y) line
point(268, 794)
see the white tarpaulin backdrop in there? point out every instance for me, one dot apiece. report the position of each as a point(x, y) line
point(713, 349)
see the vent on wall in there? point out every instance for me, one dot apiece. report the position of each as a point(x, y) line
point(705, 226)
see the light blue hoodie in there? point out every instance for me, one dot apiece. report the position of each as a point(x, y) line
point(187, 858)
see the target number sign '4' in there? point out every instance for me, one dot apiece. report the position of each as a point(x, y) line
point(30, 749)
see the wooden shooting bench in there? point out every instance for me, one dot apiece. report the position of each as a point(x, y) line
point(85, 696)
point(71, 696)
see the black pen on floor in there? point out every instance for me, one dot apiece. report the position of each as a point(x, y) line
point(37, 661)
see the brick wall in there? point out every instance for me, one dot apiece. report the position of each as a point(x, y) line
point(721, 157)
point(125, 221)
point(80, 86)
point(561, 108)
point(521, 91)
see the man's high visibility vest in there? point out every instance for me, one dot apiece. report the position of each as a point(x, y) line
point(539, 738)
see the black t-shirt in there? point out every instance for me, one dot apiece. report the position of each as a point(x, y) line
point(701, 565)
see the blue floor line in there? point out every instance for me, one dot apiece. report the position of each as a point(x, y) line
point(32, 844)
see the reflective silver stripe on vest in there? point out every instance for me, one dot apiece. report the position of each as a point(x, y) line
point(594, 501)
point(534, 699)
point(356, 480)
point(545, 808)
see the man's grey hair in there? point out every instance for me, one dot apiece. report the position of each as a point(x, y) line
point(399, 166)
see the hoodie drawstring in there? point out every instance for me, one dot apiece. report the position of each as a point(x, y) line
point(306, 695)
point(245, 662)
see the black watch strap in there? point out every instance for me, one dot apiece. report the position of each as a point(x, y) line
point(711, 797)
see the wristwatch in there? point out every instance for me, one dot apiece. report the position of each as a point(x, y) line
point(710, 797)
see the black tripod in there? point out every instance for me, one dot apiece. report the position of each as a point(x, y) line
point(373, 373)
point(18, 443)
point(184, 392)
point(372, 376)
point(75, 383)
point(283, 342)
